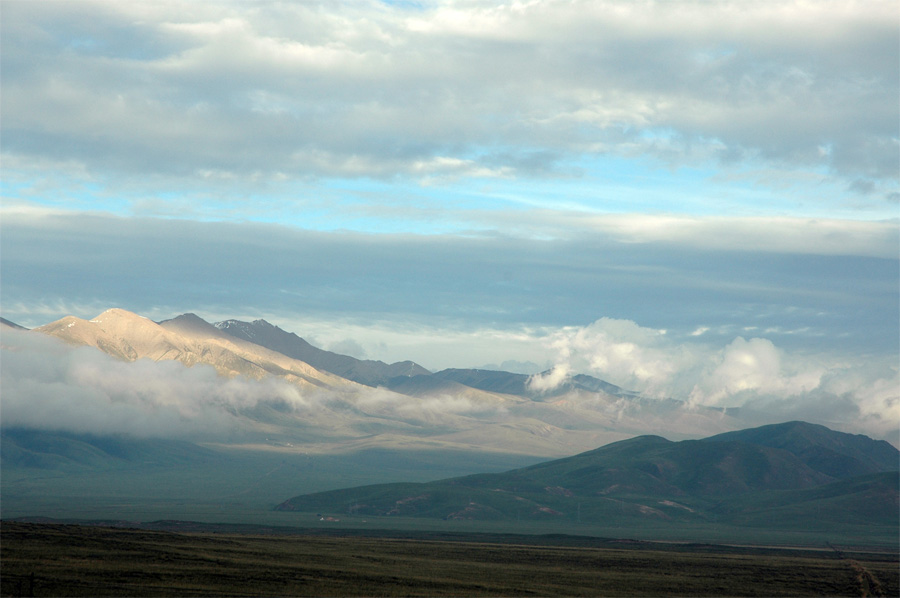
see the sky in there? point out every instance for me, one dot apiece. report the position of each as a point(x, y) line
point(691, 199)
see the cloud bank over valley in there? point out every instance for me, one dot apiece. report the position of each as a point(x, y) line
point(54, 386)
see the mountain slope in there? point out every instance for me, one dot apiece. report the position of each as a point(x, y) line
point(643, 477)
point(368, 372)
point(187, 339)
point(5, 322)
point(836, 454)
point(42, 449)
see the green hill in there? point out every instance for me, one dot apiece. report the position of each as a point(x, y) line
point(836, 454)
point(737, 478)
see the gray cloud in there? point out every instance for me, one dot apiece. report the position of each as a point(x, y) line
point(235, 93)
point(53, 262)
point(49, 385)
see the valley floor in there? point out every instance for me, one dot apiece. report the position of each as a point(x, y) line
point(72, 560)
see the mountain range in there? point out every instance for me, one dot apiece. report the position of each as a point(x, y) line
point(368, 372)
point(791, 474)
point(350, 404)
point(300, 417)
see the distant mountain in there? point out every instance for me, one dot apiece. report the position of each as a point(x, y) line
point(518, 384)
point(6, 322)
point(364, 371)
point(514, 366)
point(651, 477)
point(407, 408)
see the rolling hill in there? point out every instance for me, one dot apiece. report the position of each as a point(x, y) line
point(735, 477)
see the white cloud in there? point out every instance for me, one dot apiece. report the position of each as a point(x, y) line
point(49, 385)
point(368, 89)
point(756, 366)
point(862, 393)
point(550, 379)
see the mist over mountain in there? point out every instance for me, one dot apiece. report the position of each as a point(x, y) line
point(522, 385)
point(185, 377)
point(187, 339)
point(120, 396)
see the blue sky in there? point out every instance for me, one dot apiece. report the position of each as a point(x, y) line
point(708, 191)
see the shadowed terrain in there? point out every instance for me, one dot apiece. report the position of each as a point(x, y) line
point(55, 560)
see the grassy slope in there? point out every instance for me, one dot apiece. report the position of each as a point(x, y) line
point(646, 483)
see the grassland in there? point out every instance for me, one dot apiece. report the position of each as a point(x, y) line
point(70, 560)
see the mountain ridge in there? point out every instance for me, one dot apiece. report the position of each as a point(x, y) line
point(363, 371)
point(640, 478)
point(472, 410)
point(187, 339)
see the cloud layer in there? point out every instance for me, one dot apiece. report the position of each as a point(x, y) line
point(49, 385)
point(56, 264)
point(581, 173)
point(237, 92)
point(52, 386)
point(748, 373)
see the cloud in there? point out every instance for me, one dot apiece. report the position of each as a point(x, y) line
point(447, 410)
point(625, 353)
point(754, 365)
point(348, 346)
point(257, 92)
point(820, 236)
point(766, 382)
point(550, 379)
point(49, 385)
point(52, 386)
point(447, 300)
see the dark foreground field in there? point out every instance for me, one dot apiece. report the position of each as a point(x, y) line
point(72, 560)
